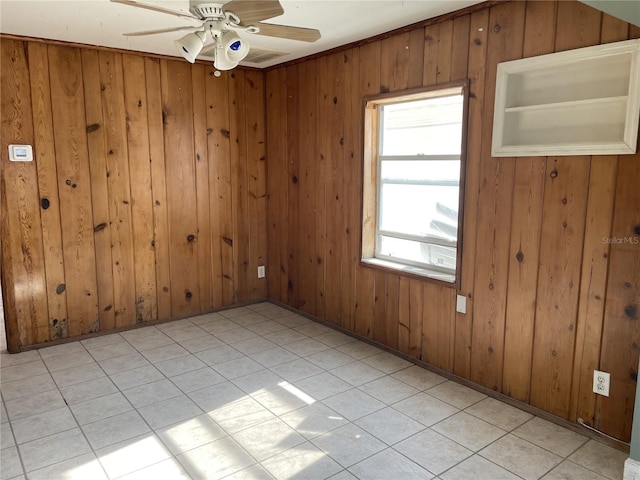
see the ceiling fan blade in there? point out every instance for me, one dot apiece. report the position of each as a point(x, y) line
point(156, 9)
point(292, 33)
point(161, 30)
point(253, 11)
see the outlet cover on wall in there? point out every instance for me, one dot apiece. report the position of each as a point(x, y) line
point(261, 271)
point(461, 304)
point(601, 382)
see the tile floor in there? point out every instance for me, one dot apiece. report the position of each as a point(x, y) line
point(259, 392)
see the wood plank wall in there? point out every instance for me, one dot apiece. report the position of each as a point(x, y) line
point(548, 300)
point(146, 199)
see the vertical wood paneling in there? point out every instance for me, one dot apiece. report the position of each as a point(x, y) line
point(74, 187)
point(621, 330)
point(119, 186)
point(99, 190)
point(48, 189)
point(219, 151)
point(320, 177)
point(293, 253)
point(24, 277)
point(203, 201)
point(506, 23)
point(181, 186)
point(158, 186)
point(135, 98)
point(478, 28)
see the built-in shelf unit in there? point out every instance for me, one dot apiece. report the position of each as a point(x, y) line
point(579, 102)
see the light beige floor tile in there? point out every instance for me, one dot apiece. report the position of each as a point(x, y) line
point(521, 457)
point(389, 425)
point(27, 386)
point(273, 356)
point(303, 462)
point(165, 352)
point(343, 475)
point(433, 451)
point(600, 458)
point(288, 319)
point(468, 431)
point(9, 360)
point(68, 444)
point(499, 414)
point(218, 355)
point(175, 325)
point(83, 467)
point(82, 392)
point(189, 434)
point(10, 466)
point(249, 319)
point(219, 325)
point(335, 338)
point(169, 411)
point(323, 385)
point(348, 445)
point(550, 436)
point(124, 363)
point(268, 439)
point(268, 327)
point(142, 343)
point(77, 374)
point(455, 394)
point(136, 377)
point(62, 362)
point(102, 341)
point(186, 333)
point(425, 409)
point(314, 420)
point(387, 362)
point(254, 472)
point(477, 467)
point(258, 382)
point(180, 365)
point(238, 367)
point(112, 350)
point(418, 377)
point(217, 396)
point(296, 370)
point(358, 350)
point(169, 469)
point(197, 379)
point(330, 358)
point(306, 347)
point(235, 335)
point(353, 404)
point(236, 312)
point(65, 349)
point(570, 471)
point(313, 329)
point(281, 336)
point(284, 400)
point(33, 404)
point(151, 393)
point(357, 373)
point(115, 429)
point(215, 460)
point(132, 455)
point(43, 424)
point(388, 389)
point(101, 407)
point(205, 318)
point(6, 436)
point(254, 345)
point(199, 344)
point(240, 415)
point(389, 464)
point(22, 370)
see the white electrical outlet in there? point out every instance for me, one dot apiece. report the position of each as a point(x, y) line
point(601, 381)
point(461, 304)
point(261, 271)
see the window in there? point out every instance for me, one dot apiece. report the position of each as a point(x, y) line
point(414, 146)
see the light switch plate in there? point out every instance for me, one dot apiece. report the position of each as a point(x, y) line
point(20, 153)
point(461, 304)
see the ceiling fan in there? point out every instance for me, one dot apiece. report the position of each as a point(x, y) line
point(220, 22)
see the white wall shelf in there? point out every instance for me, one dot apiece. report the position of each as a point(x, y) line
point(579, 102)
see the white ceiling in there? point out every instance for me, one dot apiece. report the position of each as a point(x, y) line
point(99, 22)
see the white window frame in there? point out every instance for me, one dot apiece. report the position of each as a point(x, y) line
point(372, 186)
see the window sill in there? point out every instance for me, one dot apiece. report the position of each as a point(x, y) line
point(425, 273)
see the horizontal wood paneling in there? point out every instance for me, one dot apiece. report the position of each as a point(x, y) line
point(545, 303)
point(129, 211)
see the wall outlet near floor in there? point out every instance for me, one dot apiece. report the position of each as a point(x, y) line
point(261, 271)
point(601, 382)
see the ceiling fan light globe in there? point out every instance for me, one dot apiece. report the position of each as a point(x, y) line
point(221, 62)
point(234, 47)
point(190, 45)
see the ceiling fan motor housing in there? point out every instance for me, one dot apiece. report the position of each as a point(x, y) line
point(208, 10)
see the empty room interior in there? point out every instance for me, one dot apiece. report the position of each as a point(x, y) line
point(320, 239)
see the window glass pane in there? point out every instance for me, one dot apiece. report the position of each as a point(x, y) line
point(420, 210)
point(425, 127)
point(432, 170)
point(435, 256)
